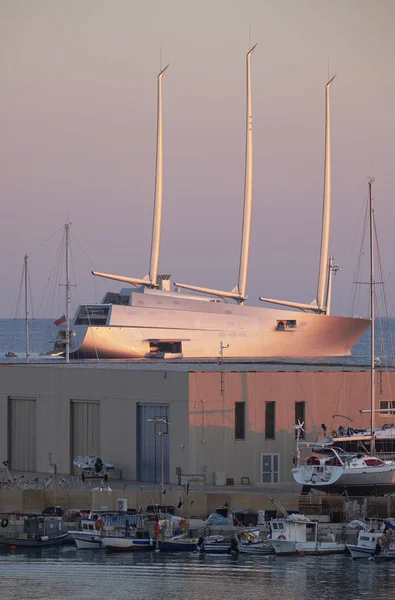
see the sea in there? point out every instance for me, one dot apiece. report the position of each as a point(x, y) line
point(66, 572)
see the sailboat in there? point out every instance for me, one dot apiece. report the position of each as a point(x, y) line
point(149, 319)
point(357, 473)
point(25, 278)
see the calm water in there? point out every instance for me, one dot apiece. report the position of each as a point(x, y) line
point(66, 573)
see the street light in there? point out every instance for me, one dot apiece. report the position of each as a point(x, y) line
point(158, 421)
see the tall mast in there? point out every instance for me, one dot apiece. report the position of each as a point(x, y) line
point(157, 218)
point(372, 313)
point(151, 280)
point(239, 291)
point(245, 240)
point(26, 309)
point(67, 231)
point(326, 208)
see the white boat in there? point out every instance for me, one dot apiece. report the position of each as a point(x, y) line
point(357, 473)
point(377, 544)
point(366, 544)
point(150, 320)
point(296, 534)
point(89, 536)
point(92, 466)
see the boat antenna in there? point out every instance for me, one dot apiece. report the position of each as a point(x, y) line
point(372, 314)
point(25, 272)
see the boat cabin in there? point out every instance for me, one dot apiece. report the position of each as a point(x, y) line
point(293, 529)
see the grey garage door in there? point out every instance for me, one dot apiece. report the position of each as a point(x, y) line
point(22, 434)
point(149, 443)
point(85, 429)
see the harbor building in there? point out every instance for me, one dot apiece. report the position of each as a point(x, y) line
point(228, 424)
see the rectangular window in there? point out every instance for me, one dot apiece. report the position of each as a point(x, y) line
point(270, 425)
point(387, 408)
point(270, 464)
point(240, 420)
point(300, 418)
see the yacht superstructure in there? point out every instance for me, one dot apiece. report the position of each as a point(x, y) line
point(149, 319)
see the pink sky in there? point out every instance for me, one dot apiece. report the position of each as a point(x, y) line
point(77, 112)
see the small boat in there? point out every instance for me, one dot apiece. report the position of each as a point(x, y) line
point(92, 466)
point(376, 544)
point(89, 536)
point(11, 355)
point(249, 542)
point(217, 544)
point(366, 544)
point(178, 543)
point(113, 532)
point(296, 534)
point(33, 531)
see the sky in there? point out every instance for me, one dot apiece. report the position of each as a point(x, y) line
point(78, 131)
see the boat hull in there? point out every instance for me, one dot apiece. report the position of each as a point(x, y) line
point(125, 544)
point(40, 542)
point(357, 481)
point(176, 546)
point(359, 551)
point(86, 541)
point(199, 326)
point(285, 547)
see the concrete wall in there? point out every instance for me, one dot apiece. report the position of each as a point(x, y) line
point(118, 391)
point(212, 444)
point(201, 413)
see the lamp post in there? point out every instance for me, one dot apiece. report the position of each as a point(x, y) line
point(158, 421)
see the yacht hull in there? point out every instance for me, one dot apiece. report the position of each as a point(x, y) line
point(200, 326)
point(357, 481)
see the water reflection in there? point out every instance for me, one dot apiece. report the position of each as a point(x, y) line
point(58, 574)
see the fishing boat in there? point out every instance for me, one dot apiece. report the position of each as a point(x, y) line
point(89, 534)
point(149, 319)
point(358, 473)
point(33, 531)
point(296, 534)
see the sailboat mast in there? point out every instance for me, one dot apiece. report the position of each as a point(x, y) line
point(26, 309)
point(67, 231)
point(372, 314)
point(326, 208)
point(157, 218)
point(245, 240)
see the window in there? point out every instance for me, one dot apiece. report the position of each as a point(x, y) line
point(270, 425)
point(283, 325)
point(387, 406)
point(300, 418)
point(270, 468)
point(240, 420)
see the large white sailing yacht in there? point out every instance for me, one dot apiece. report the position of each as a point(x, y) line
point(149, 319)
